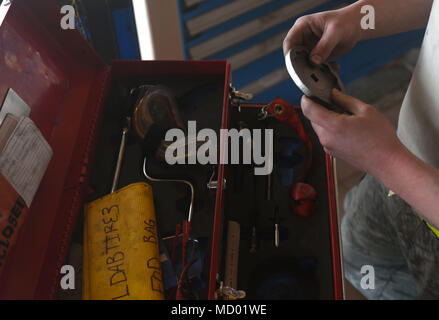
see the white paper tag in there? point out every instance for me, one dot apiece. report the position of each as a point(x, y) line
point(6, 128)
point(25, 158)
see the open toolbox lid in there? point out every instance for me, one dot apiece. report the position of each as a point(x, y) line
point(57, 73)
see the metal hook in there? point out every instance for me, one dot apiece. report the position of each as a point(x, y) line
point(213, 184)
point(263, 113)
point(173, 180)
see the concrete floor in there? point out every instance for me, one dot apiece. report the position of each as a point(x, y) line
point(385, 89)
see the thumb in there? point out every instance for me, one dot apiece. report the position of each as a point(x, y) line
point(346, 102)
point(325, 46)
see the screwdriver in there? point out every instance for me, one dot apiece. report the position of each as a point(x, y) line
point(254, 218)
point(276, 211)
point(276, 227)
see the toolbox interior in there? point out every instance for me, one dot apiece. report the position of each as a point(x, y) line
point(200, 97)
point(301, 267)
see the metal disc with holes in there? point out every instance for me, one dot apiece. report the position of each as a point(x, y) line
point(316, 82)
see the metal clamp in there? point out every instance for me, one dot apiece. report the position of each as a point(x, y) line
point(236, 97)
point(228, 293)
point(213, 184)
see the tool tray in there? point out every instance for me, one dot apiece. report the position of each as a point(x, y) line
point(76, 101)
point(305, 244)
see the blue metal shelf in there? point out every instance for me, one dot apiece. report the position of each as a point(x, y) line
point(364, 58)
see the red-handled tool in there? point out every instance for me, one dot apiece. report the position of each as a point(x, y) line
point(303, 195)
point(304, 200)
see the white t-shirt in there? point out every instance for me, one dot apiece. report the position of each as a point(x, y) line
point(418, 126)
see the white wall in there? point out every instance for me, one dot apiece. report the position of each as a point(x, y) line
point(158, 28)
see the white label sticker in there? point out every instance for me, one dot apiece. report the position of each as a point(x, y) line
point(25, 158)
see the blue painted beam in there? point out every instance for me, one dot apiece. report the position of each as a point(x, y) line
point(126, 33)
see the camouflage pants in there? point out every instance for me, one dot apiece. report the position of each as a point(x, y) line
point(386, 233)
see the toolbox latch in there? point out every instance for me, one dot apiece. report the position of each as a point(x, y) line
point(228, 293)
point(236, 97)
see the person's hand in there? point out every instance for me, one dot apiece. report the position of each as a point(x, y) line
point(365, 139)
point(326, 34)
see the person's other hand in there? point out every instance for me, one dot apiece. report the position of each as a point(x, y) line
point(327, 34)
point(365, 139)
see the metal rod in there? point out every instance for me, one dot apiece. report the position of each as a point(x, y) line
point(189, 219)
point(276, 227)
point(120, 156)
point(172, 237)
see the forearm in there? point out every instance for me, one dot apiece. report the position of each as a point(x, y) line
point(392, 16)
point(414, 181)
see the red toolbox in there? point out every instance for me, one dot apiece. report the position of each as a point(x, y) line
point(74, 98)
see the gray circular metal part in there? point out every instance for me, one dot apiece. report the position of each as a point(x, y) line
point(316, 82)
